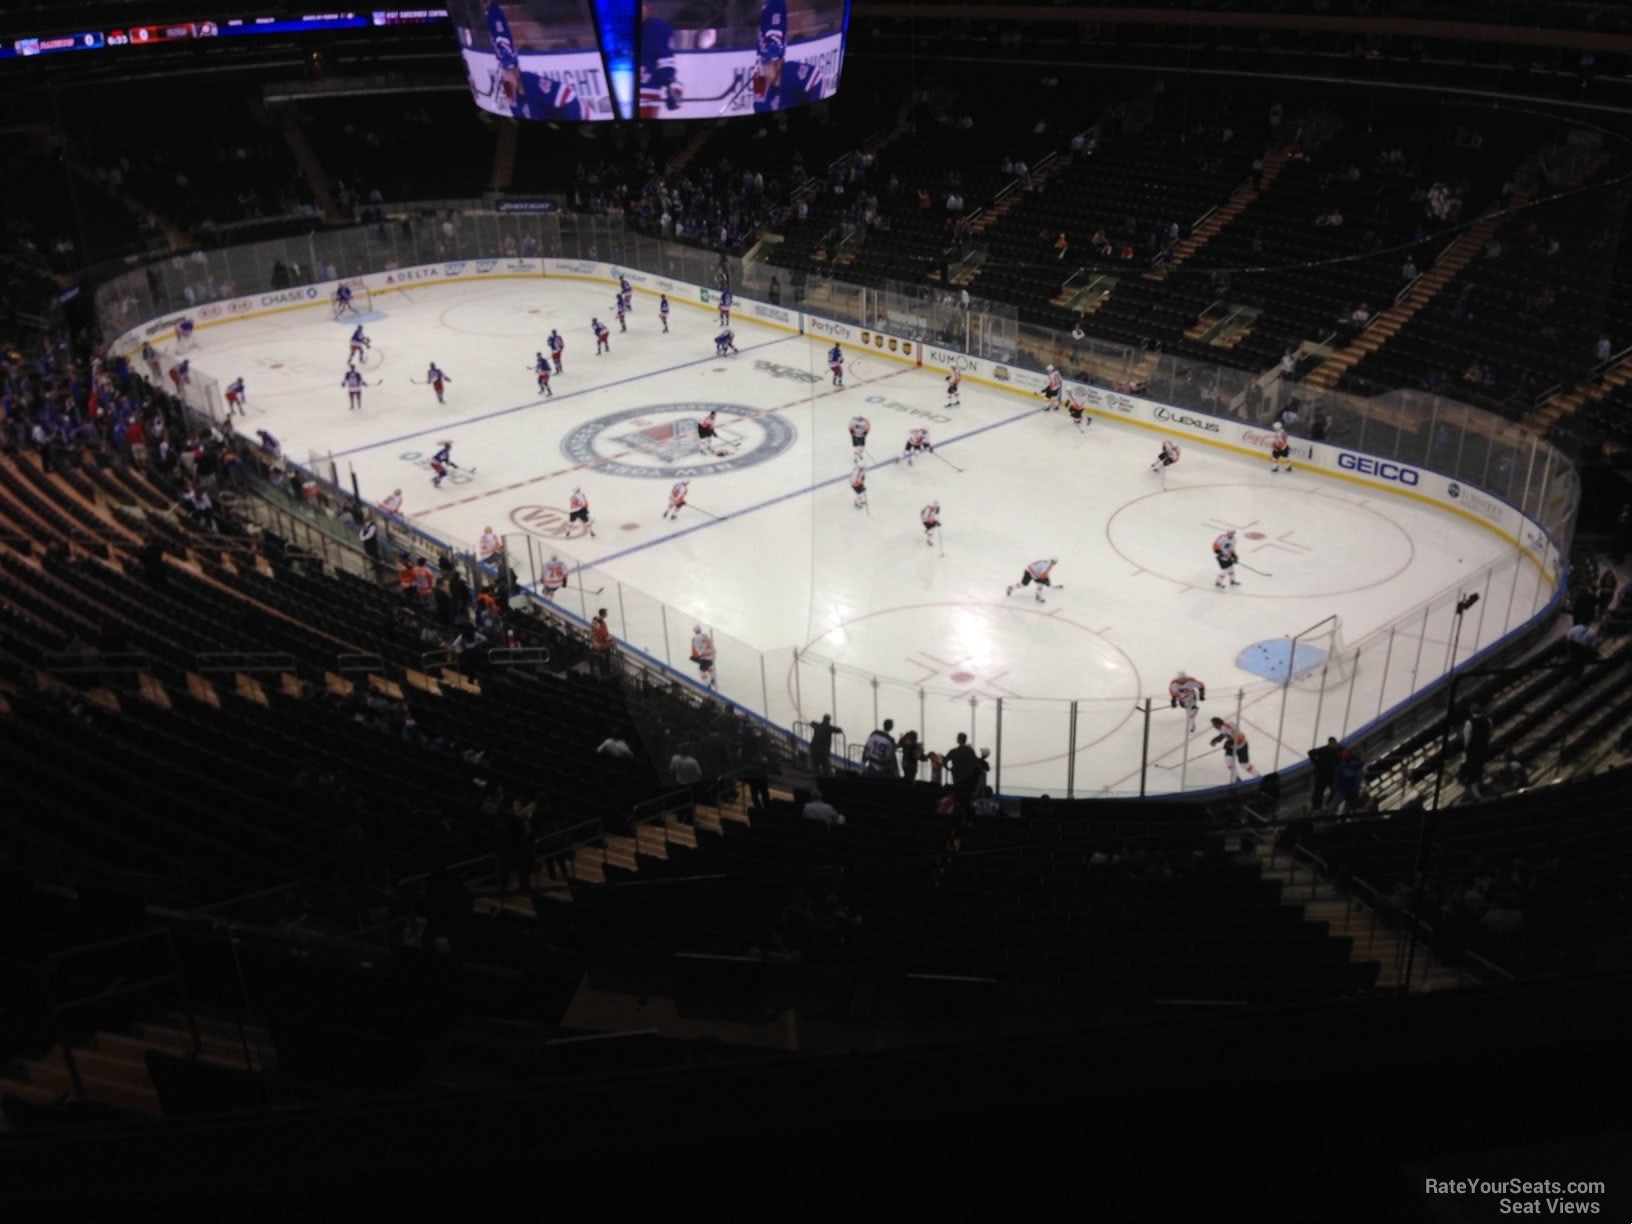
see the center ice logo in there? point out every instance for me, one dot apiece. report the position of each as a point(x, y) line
point(660, 441)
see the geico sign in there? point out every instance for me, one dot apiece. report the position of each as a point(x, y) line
point(1185, 419)
point(1380, 468)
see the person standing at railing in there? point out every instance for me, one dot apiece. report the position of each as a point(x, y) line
point(601, 645)
point(821, 745)
point(1324, 759)
point(878, 753)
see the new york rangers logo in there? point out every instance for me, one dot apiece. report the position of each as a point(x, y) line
point(660, 441)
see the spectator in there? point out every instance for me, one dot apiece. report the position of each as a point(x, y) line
point(1504, 919)
point(912, 754)
point(878, 754)
point(821, 745)
point(967, 770)
point(1606, 592)
point(1581, 646)
point(1324, 759)
point(1409, 271)
point(601, 645)
point(821, 811)
point(616, 748)
point(755, 767)
point(1076, 331)
point(1476, 733)
point(775, 292)
point(1347, 779)
point(683, 766)
point(1604, 350)
point(369, 536)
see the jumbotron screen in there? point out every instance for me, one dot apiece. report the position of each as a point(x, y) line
point(577, 61)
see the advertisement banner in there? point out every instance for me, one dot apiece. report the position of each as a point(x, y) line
point(779, 316)
point(842, 332)
point(574, 267)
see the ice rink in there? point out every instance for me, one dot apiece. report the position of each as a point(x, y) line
point(773, 558)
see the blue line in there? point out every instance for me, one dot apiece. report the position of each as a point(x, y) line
point(554, 399)
point(724, 518)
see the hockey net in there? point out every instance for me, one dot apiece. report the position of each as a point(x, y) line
point(361, 301)
point(1319, 659)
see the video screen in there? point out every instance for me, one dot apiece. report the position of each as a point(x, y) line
point(535, 59)
point(738, 57)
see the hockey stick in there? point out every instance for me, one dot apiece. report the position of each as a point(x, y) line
point(1250, 570)
point(940, 538)
point(700, 510)
point(946, 461)
point(736, 93)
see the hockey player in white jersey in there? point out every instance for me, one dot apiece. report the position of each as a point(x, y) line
point(1186, 691)
point(1235, 747)
point(578, 511)
point(707, 431)
point(554, 577)
point(930, 517)
point(489, 544)
point(1037, 572)
point(677, 499)
point(702, 654)
point(858, 486)
point(1224, 554)
point(1165, 458)
point(1051, 391)
point(917, 443)
point(1077, 409)
point(1280, 448)
point(860, 427)
point(954, 380)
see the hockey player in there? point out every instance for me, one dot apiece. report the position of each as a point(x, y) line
point(1224, 553)
point(1075, 406)
point(663, 311)
point(1166, 457)
point(726, 301)
point(235, 398)
point(1037, 572)
point(626, 293)
point(622, 310)
point(342, 302)
point(1185, 690)
point(917, 443)
point(725, 342)
point(858, 486)
point(835, 362)
point(706, 433)
point(528, 95)
point(435, 378)
point(271, 447)
point(150, 355)
point(954, 380)
point(1051, 391)
point(184, 333)
point(180, 376)
point(489, 544)
point(659, 89)
point(677, 499)
point(393, 505)
point(359, 347)
point(1280, 448)
point(442, 461)
point(930, 517)
point(702, 654)
point(603, 337)
point(354, 384)
point(554, 577)
point(557, 347)
point(542, 368)
point(1235, 747)
point(578, 511)
point(772, 49)
point(860, 427)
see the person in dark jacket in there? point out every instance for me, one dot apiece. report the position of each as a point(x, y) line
point(1325, 760)
point(821, 744)
point(1476, 734)
point(968, 770)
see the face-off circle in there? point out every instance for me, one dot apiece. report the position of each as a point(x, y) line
point(1315, 544)
point(660, 442)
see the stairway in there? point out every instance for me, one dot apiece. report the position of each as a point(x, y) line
point(1423, 290)
point(504, 155)
point(1372, 939)
point(1221, 216)
point(294, 135)
point(1565, 402)
point(991, 215)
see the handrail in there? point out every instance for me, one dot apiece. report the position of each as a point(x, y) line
point(360, 662)
point(51, 963)
point(518, 656)
point(206, 662)
point(67, 662)
point(254, 896)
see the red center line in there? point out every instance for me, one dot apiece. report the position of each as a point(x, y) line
point(579, 467)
